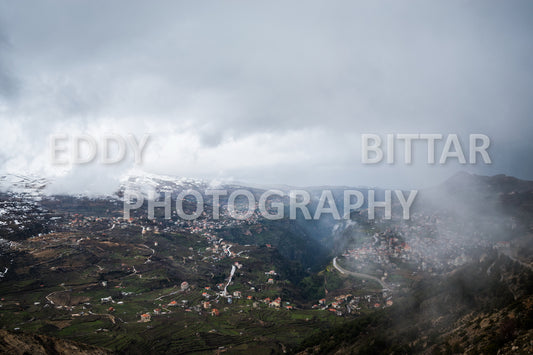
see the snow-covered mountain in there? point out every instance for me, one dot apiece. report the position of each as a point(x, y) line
point(146, 182)
point(35, 187)
point(29, 186)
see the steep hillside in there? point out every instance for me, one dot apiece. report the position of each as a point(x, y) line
point(484, 307)
point(17, 343)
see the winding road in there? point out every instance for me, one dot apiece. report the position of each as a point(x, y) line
point(507, 252)
point(356, 274)
point(233, 268)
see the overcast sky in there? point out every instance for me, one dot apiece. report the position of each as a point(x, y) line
point(277, 92)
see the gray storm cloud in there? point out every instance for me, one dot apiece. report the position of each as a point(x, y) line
point(8, 81)
point(266, 93)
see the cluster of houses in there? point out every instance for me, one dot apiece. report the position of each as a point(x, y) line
point(432, 243)
point(437, 244)
point(212, 297)
point(349, 304)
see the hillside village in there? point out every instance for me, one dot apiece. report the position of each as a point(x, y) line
point(378, 254)
point(75, 267)
point(192, 298)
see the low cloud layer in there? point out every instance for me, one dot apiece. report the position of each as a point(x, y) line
point(265, 93)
